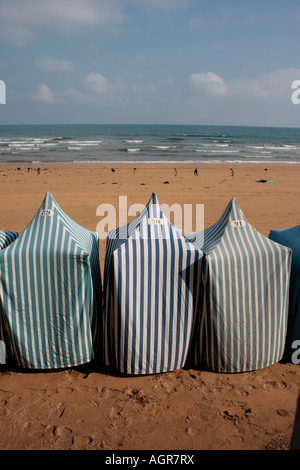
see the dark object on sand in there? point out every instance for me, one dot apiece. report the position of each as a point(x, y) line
point(266, 181)
point(195, 171)
point(113, 170)
point(232, 172)
point(175, 171)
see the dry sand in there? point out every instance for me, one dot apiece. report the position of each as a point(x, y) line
point(91, 407)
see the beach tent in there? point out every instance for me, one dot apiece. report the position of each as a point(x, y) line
point(6, 238)
point(50, 292)
point(243, 316)
point(149, 279)
point(291, 237)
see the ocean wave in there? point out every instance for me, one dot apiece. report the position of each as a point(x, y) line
point(134, 141)
point(216, 151)
point(275, 148)
point(84, 142)
point(50, 144)
point(164, 147)
point(86, 161)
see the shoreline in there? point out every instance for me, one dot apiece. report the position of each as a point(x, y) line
point(146, 162)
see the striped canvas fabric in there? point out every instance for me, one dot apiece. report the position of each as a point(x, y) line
point(6, 238)
point(150, 294)
point(242, 321)
point(290, 237)
point(50, 292)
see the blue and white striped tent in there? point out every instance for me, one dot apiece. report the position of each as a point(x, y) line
point(50, 292)
point(6, 238)
point(243, 316)
point(150, 302)
point(291, 237)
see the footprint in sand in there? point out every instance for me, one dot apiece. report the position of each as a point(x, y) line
point(62, 431)
point(62, 390)
point(282, 413)
point(81, 442)
point(106, 392)
point(273, 384)
point(39, 391)
point(6, 394)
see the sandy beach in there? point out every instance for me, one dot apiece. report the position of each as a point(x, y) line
point(92, 407)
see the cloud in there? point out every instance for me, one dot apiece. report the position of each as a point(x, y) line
point(162, 4)
point(273, 85)
point(23, 21)
point(44, 94)
point(54, 65)
point(97, 84)
point(95, 88)
point(208, 82)
point(278, 82)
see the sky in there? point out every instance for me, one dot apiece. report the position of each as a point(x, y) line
point(223, 62)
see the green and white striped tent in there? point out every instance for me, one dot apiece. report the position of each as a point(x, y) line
point(50, 292)
point(242, 321)
point(150, 294)
point(6, 238)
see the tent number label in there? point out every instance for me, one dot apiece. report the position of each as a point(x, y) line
point(155, 221)
point(238, 223)
point(47, 213)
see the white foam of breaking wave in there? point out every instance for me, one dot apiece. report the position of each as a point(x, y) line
point(216, 151)
point(165, 147)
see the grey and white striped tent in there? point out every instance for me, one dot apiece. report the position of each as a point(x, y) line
point(6, 238)
point(50, 292)
point(291, 237)
point(150, 296)
point(242, 321)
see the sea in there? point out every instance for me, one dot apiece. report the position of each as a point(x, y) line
point(141, 143)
